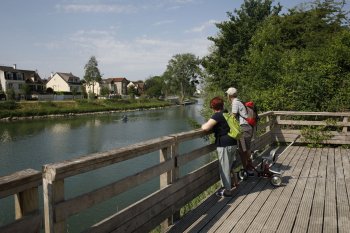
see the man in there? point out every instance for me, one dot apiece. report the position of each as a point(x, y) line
point(240, 112)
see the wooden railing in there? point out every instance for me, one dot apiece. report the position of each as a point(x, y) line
point(23, 185)
point(162, 206)
point(286, 125)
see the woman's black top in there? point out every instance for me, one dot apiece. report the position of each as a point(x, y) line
point(220, 130)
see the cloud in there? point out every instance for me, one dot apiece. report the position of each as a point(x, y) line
point(95, 8)
point(163, 22)
point(137, 58)
point(203, 27)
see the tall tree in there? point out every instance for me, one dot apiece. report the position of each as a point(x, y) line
point(92, 73)
point(300, 61)
point(182, 74)
point(155, 86)
point(223, 64)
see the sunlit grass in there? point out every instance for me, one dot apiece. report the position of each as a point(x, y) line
point(41, 108)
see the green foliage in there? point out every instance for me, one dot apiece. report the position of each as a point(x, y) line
point(183, 74)
point(78, 106)
point(8, 105)
point(92, 73)
point(104, 91)
point(48, 104)
point(26, 90)
point(296, 61)
point(225, 63)
point(155, 86)
point(10, 94)
point(199, 199)
point(315, 135)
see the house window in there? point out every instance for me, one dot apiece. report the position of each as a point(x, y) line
point(19, 76)
point(10, 85)
point(9, 76)
point(20, 86)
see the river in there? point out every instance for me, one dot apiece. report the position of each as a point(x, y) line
point(31, 144)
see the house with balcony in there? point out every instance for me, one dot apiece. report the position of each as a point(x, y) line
point(64, 82)
point(121, 85)
point(139, 87)
point(97, 87)
point(20, 81)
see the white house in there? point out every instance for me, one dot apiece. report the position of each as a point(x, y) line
point(15, 79)
point(121, 86)
point(64, 82)
point(96, 87)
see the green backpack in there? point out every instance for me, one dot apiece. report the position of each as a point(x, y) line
point(235, 128)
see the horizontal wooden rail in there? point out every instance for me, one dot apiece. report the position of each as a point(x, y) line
point(336, 124)
point(23, 185)
point(80, 203)
point(296, 113)
point(91, 162)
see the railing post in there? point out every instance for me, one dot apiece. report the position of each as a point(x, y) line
point(175, 173)
point(53, 191)
point(26, 202)
point(165, 180)
point(268, 120)
point(345, 128)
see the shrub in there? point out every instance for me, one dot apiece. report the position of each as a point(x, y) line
point(8, 105)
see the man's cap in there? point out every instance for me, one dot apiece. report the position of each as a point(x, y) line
point(231, 91)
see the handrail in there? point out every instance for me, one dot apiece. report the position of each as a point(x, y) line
point(24, 186)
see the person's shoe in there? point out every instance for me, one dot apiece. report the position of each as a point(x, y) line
point(250, 173)
point(223, 193)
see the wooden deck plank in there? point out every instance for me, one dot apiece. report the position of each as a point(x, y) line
point(249, 201)
point(330, 211)
point(303, 216)
point(226, 211)
point(237, 213)
point(315, 197)
point(199, 217)
point(346, 164)
point(255, 207)
point(215, 223)
point(274, 219)
point(290, 214)
point(243, 224)
point(343, 208)
point(316, 218)
point(269, 204)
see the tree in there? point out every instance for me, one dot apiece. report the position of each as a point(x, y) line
point(182, 74)
point(155, 86)
point(295, 61)
point(105, 91)
point(10, 94)
point(92, 73)
point(26, 90)
point(300, 61)
point(224, 64)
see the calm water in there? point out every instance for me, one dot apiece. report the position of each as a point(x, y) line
point(30, 144)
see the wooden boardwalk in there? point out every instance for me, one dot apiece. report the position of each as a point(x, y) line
point(314, 197)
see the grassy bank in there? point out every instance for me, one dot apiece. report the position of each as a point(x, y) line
point(11, 109)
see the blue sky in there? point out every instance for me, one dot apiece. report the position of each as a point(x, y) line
point(130, 38)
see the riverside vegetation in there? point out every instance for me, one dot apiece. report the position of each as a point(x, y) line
point(13, 110)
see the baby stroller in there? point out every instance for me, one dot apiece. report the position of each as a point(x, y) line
point(265, 166)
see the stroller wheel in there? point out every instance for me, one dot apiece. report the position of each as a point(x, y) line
point(276, 180)
point(242, 174)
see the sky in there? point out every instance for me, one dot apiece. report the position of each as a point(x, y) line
point(134, 39)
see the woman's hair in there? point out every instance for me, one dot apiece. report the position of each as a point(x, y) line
point(217, 103)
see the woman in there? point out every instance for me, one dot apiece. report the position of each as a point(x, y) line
point(226, 146)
